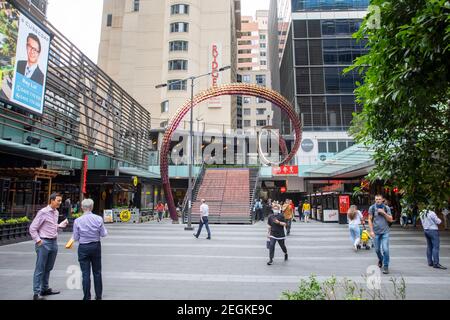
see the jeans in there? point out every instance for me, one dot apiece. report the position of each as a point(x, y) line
point(46, 256)
point(432, 237)
point(259, 215)
point(90, 254)
point(354, 233)
point(160, 215)
point(382, 248)
point(288, 226)
point(203, 221)
point(272, 247)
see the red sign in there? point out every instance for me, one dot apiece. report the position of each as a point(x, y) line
point(283, 189)
point(344, 204)
point(85, 166)
point(285, 171)
point(215, 65)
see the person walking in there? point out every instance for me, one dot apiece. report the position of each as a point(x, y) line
point(160, 210)
point(430, 224)
point(44, 232)
point(204, 213)
point(288, 215)
point(300, 211)
point(87, 230)
point(445, 212)
point(276, 224)
point(306, 210)
point(379, 219)
point(258, 208)
point(354, 218)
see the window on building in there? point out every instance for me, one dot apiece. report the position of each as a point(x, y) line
point(260, 111)
point(262, 37)
point(261, 79)
point(322, 146)
point(178, 65)
point(262, 45)
point(245, 42)
point(247, 123)
point(334, 146)
point(179, 9)
point(263, 63)
point(136, 5)
point(260, 100)
point(165, 106)
point(246, 78)
point(179, 27)
point(164, 124)
point(246, 100)
point(261, 123)
point(177, 85)
point(247, 112)
point(263, 54)
point(244, 60)
point(178, 46)
point(109, 20)
point(245, 51)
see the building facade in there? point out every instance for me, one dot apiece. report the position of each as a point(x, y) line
point(146, 43)
point(318, 47)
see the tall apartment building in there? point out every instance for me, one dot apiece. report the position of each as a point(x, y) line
point(253, 68)
point(145, 43)
point(318, 47)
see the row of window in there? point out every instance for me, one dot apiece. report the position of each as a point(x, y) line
point(260, 79)
point(330, 51)
point(259, 123)
point(326, 80)
point(334, 146)
point(325, 28)
point(324, 5)
point(259, 111)
point(247, 100)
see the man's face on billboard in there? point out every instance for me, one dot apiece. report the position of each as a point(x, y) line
point(33, 51)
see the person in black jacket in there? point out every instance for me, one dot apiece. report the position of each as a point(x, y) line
point(276, 223)
point(30, 67)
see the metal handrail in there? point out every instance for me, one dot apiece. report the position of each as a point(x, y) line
point(194, 185)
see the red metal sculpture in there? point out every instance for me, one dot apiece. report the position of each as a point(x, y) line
point(240, 89)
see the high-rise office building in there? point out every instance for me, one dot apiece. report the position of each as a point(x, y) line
point(318, 47)
point(253, 68)
point(145, 43)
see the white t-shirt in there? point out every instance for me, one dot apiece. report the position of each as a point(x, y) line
point(204, 210)
point(357, 220)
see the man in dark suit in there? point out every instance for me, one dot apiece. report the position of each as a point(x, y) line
point(30, 67)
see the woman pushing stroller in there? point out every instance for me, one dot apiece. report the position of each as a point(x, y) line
point(355, 218)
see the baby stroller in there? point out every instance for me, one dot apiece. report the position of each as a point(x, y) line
point(366, 241)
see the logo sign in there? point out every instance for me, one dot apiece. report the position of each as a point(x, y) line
point(285, 171)
point(307, 145)
point(215, 63)
point(344, 204)
point(323, 157)
point(85, 167)
point(125, 215)
point(330, 216)
point(135, 181)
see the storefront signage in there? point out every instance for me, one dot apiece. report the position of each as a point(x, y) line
point(307, 145)
point(330, 216)
point(135, 181)
point(285, 171)
point(215, 63)
point(85, 167)
point(108, 216)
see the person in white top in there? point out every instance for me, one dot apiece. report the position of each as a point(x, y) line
point(204, 213)
point(355, 218)
point(445, 212)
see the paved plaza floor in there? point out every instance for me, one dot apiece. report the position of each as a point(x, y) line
point(155, 261)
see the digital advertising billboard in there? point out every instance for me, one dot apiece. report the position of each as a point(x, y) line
point(24, 50)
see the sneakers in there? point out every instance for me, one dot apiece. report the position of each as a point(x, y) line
point(208, 238)
point(270, 262)
point(380, 263)
point(438, 266)
point(355, 247)
point(49, 292)
point(385, 270)
point(285, 257)
point(195, 235)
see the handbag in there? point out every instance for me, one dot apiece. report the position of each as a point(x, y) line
point(69, 243)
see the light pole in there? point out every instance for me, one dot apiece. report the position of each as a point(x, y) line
point(269, 146)
point(191, 137)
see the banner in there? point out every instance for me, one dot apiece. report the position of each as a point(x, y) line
point(24, 50)
point(344, 204)
point(285, 171)
point(215, 63)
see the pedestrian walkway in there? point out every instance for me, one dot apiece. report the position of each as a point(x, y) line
point(163, 261)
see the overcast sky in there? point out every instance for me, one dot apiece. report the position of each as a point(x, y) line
point(80, 21)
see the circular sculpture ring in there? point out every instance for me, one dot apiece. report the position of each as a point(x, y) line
point(237, 89)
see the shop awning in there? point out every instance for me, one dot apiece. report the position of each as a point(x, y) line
point(33, 152)
point(357, 159)
point(132, 171)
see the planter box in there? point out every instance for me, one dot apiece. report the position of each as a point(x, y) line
point(11, 233)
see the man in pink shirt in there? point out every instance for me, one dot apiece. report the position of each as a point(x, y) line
point(44, 231)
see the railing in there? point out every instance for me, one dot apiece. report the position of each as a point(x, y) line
point(255, 189)
point(195, 185)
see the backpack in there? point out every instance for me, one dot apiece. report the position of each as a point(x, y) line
point(373, 207)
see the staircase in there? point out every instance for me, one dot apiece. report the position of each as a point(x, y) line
point(228, 195)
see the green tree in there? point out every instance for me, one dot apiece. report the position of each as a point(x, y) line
point(406, 97)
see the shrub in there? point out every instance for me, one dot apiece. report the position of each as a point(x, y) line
point(2, 222)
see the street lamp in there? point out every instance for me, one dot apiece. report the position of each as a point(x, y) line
point(269, 146)
point(191, 136)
